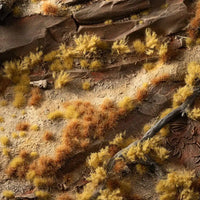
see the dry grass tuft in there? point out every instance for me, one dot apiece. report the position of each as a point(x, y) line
point(162, 78)
point(23, 126)
point(49, 9)
point(35, 98)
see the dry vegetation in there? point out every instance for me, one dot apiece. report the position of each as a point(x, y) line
point(86, 124)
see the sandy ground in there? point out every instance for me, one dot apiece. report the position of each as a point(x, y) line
point(123, 83)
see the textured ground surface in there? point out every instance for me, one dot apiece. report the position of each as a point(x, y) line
point(122, 79)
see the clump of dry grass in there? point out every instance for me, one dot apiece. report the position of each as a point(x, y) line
point(162, 78)
point(48, 136)
point(35, 98)
point(194, 23)
point(91, 123)
point(141, 93)
point(23, 126)
point(19, 165)
point(49, 9)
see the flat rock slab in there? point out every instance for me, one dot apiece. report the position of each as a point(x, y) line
point(73, 2)
point(19, 36)
point(184, 142)
point(163, 21)
point(112, 9)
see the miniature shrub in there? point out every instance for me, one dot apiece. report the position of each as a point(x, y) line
point(8, 194)
point(71, 112)
point(50, 56)
point(41, 194)
point(151, 39)
point(35, 97)
point(95, 65)
point(49, 9)
point(48, 136)
point(181, 95)
point(55, 115)
point(139, 46)
point(107, 22)
point(110, 195)
point(4, 140)
point(22, 133)
point(62, 79)
point(23, 126)
point(1, 119)
point(84, 63)
point(88, 44)
point(30, 175)
point(149, 66)
point(86, 85)
point(6, 151)
point(120, 47)
point(194, 113)
point(99, 158)
point(151, 147)
point(177, 185)
point(126, 103)
point(34, 127)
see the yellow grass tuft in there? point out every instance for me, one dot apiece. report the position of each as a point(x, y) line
point(62, 79)
point(35, 127)
point(1, 119)
point(56, 115)
point(84, 63)
point(86, 85)
point(43, 195)
point(95, 65)
point(139, 46)
point(22, 133)
point(8, 194)
point(120, 47)
point(126, 103)
point(4, 140)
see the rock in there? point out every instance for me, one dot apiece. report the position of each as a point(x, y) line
point(20, 36)
point(113, 9)
point(73, 2)
point(184, 142)
point(174, 17)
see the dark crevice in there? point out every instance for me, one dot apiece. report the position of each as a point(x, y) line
point(76, 23)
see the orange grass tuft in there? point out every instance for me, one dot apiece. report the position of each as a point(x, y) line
point(45, 166)
point(92, 122)
point(49, 9)
point(113, 149)
point(23, 126)
point(24, 154)
point(141, 94)
point(19, 165)
point(194, 23)
point(48, 136)
point(162, 78)
point(119, 166)
point(35, 97)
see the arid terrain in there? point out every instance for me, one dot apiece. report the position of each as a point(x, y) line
point(99, 100)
